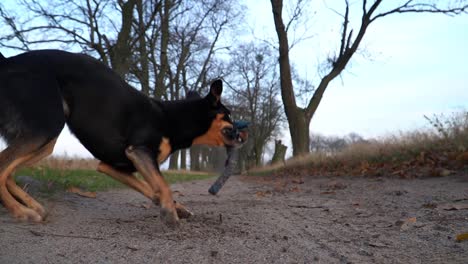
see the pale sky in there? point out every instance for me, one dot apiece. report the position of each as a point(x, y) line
point(414, 65)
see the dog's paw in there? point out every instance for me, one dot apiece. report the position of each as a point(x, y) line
point(169, 217)
point(27, 214)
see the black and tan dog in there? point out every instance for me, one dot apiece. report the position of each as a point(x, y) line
point(127, 131)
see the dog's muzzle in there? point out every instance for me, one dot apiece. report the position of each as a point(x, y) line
point(238, 132)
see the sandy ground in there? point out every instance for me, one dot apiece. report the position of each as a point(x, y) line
point(252, 220)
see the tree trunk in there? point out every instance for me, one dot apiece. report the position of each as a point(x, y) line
point(195, 158)
point(143, 76)
point(258, 154)
point(174, 161)
point(298, 122)
point(280, 152)
point(160, 88)
point(121, 51)
point(299, 129)
point(204, 157)
point(183, 159)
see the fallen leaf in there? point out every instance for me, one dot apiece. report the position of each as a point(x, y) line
point(298, 181)
point(364, 166)
point(335, 185)
point(406, 224)
point(328, 192)
point(146, 205)
point(179, 193)
point(461, 237)
point(295, 189)
point(262, 193)
point(429, 205)
point(81, 193)
point(449, 207)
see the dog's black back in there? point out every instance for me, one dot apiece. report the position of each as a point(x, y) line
point(41, 90)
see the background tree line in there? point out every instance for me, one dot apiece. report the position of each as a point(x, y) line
point(166, 48)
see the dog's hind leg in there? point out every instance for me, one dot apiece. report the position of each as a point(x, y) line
point(140, 186)
point(19, 193)
point(31, 118)
point(10, 158)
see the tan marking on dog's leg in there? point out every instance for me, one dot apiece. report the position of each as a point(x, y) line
point(8, 188)
point(18, 192)
point(21, 195)
point(164, 150)
point(12, 205)
point(127, 179)
point(152, 176)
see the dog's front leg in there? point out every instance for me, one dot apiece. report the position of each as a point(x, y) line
point(145, 163)
point(140, 186)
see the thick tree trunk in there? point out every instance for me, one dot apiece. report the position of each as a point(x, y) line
point(143, 76)
point(298, 122)
point(183, 159)
point(280, 152)
point(174, 161)
point(121, 51)
point(299, 129)
point(160, 88)
point(204, 157)
point(195, 158)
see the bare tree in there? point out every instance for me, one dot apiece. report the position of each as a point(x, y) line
point(166, 47)
point(192, 52)
point(254, 81)
point(101, 26)
point(350, 38)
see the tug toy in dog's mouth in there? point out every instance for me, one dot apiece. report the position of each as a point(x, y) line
point(239, 132)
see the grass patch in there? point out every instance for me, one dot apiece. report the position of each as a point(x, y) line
point(54, 179)
point(181, 176)
point(57, 179)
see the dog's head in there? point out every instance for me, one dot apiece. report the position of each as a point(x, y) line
point(221, 131)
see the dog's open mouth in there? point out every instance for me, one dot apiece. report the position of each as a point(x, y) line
point(235, 135)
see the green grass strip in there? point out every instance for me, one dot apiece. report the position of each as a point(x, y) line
point(91, 180)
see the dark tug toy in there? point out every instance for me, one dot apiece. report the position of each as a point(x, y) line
point(239, 131)
point(127, 131)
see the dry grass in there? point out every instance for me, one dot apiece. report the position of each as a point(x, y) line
point(68, 163)
point(440, 151)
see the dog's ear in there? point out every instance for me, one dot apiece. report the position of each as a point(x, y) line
point(216, 90)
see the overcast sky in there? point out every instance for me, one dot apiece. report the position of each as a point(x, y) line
point(409, 66)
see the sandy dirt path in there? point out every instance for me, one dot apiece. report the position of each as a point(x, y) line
point(254, 220)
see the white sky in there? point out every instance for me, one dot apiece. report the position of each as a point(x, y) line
point(415, 65)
